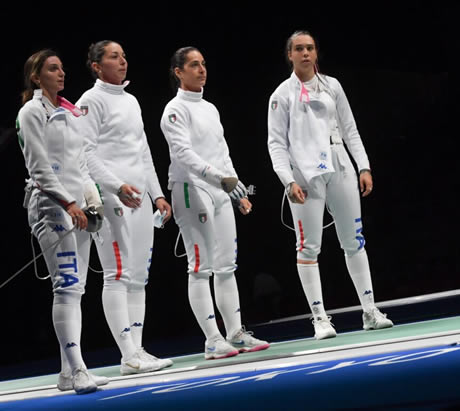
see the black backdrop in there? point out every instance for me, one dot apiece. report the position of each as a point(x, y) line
point(392, 61)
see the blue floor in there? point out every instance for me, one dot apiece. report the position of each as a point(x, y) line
point(422, 379)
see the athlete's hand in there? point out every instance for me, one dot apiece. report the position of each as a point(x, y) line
point(245, 206)
point(163, 206)
point(79, 219)
point(365, 183)
point(295, 193)
point(239, 192)
point(129, 196)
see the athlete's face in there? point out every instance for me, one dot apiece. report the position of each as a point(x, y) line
point(113, 66)
point(51, 76)
point(303, 53)
point(193, 76)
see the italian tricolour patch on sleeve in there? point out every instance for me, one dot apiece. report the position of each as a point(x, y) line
point(84, 110)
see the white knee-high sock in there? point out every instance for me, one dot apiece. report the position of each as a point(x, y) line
point(199, 294)
point(67, 324)
point(228, 301)
point(115, 305)
point(360, 273)
point(311, 284)
point(65, 366)
point(136, 309)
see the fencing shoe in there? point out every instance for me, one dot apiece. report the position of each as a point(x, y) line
point(243, 341)
point(139, 363)
point(65, 381)
point(323, 328)
point(375, 320)
point(82, 382)
point(162, 362)
point(216, 347)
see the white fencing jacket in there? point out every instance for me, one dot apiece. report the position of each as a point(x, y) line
point(117, 150)
point(53, 150)
point(197, 147)
point(299, 129)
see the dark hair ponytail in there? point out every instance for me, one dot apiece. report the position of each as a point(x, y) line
point(95, 53)
point(178, 60)
point(33, 66)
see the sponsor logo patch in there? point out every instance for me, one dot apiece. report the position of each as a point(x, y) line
point(70, 345)
point(56, 168)
point(58, 228)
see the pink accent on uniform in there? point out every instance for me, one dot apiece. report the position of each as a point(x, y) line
point(116, 250)
point(302, 236)
point(304, 93)
point(69, 106)
point(197, 259)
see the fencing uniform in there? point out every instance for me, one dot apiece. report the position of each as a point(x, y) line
point(307, 125)
point(118, 153)
point(55, 160)
point(305, 145)
point(199, 156)
point(204, 213)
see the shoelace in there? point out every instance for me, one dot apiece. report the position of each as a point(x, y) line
point(78, 370)
point(146, 354)
point(378, 314)
point(216, 338)
point(327, 319)
point(243, 331)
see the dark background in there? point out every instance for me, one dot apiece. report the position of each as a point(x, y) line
point(392, 61)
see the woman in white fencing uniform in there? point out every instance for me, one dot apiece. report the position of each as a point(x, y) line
point(58, 188)
point(309, 118)
point(120, 161)
point(204, 184)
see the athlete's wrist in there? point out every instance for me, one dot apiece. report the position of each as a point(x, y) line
point(289, 187)
point(70, 205)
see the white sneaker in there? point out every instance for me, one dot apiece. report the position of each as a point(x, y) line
point(65, 381)
point(82, 382)
point(216, 347)
point(324, 328)
point(243, 341)
point(140, 362)
point(162, 362)
point(375, 320)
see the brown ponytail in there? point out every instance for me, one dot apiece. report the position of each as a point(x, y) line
point(33, 66)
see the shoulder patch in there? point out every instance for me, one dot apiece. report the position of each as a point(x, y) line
point(84, 110)
point(172, 118)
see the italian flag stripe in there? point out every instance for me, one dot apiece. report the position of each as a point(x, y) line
point(186, 196)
